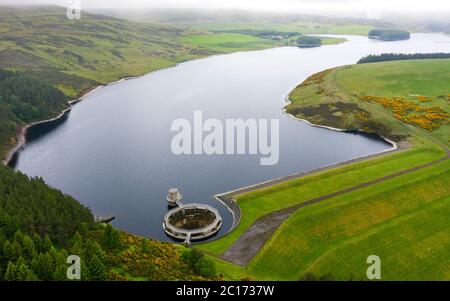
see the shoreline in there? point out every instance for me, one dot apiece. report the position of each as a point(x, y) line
point(21, 136)
point(287, 102)
point(228, 198)
point(21, 140)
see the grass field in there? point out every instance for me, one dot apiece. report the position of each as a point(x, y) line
point(305, 27)
point(228, 42)
point(400, 220)
point(224, 42)
point(429, 78)
point(238, 20)
point(259, 203)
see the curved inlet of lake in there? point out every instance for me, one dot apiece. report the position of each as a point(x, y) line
point(113, 151)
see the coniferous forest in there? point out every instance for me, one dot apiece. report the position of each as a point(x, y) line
point(385, 57)
point(25, 99)
point(41, 226)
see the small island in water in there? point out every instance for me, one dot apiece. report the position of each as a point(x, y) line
point(389, 34)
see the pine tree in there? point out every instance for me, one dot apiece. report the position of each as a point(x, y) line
point(83, 229)
point(85, 272)
point(10, 274)
point(2, 242)
point(46, 244)
point(7, 252)
point(60, 266)
point(111, 238)
point(97, 269)
point(77, 239)
point(28, 248)
point(43, 266)
point(18, 236)
point(78, 246)
point(93, 248)
point(37, 240)
point(24, 273)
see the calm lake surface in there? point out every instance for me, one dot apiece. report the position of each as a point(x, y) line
point(113, 152)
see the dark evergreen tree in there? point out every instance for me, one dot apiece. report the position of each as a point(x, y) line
point(16, 251)
point(60, 273)
point(10, 274)
point(47, 244)
point(24, 273)
point(97, 269)
point(111, 238)
point(92, 248)
point(384, 57)
point(198, 263)
point(43, 266)
point(28, 248)
point(205, 267)
point(7, 254)
point(37, 241)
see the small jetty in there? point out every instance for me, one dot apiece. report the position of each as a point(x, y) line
point(104, 219)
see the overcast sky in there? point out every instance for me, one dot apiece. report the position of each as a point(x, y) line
point(370, 7)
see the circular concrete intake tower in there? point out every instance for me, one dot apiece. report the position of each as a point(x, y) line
point(192, 222)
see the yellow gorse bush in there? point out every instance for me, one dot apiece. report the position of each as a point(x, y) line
point(424, 98)
point(429, 118)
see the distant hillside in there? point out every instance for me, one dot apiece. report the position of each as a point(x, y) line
point(389, 34)
point(241, 19)
point(76, 54)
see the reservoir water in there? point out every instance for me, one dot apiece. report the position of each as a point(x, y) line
point(113, 152)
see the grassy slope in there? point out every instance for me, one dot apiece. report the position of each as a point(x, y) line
point(402, 221)
point(419, 77)
point(387, 79)
point(229, 42)
point(238, 20)
point(290, 259)
point(77, 54)
point(307, 27)
point(261, 202)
